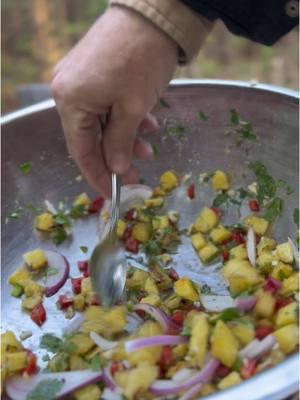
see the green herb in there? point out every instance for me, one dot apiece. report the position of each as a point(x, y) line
point(273, 209)
point(202, 116)
point(186, 331)
point(234, 117)
point(62, 219)
point(241, 128)
point(296, 217)
point(148, 212)
point(46, 390)
point(155, 150)
point(95, 363)
point(220, 199)
point(228, 315)
point(129, 306)
point(54, 344)
point(208, 177)
point(236, 227)
point(164, 103)
point(78, 211)
point(26, 167)
point(266, 185)
point(50, 271)
point(177, 131)
point(289, 190)
point(15, 214)
point(46, 357)
point(205, 289)
point(152, 248)
point(35, 209)
point(17, 291)
point(84, 249)
point(58, 235)
point(281, 275)
point(237, 365)
point(69, 347)
point(243, 193)
point(168, 230)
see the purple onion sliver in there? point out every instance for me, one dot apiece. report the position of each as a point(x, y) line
point(191, 392)
point(275, 283)
point(108, 379)
point(159, 340)
point(245, 303)
point(55, 282)
point(163, 319)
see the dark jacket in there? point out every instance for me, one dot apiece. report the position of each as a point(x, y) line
point(264, 21)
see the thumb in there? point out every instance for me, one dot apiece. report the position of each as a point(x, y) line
point(118, 140)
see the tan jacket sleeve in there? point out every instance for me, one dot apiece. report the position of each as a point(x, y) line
point(188, 29)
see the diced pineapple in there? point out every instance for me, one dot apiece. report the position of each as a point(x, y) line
point(137, 280)
point(20, 277)
point(105, 322)
point(86, 286)
point(220, 181)
point(287, 337)
point(160, 222)
point(152, 299)
point(219, 234)
point(198, 241)
point(265, 304)
point(82, 200)
point(28, 303)
point(290, 285)
point(150, 286)
point(158, 191)
point(172, 302)
point(265, 244)
point(83, 343)
point(243, 331)
point(59, 362)
point(32, 289)
point(77, 362)
point(231, 379)
point(89, 392)
point(264, 260)
point(239, 252)
point(285, 253)
point(207, 389)
point(168, 180)
point(206, 220)
point(149, 328)
point(208, 253)
point(35, 259)
point(156, 202)
point(121, 228)
point(287, 315)
point(9, 343)
point(259, 225)
point(199, 339)
point(282, 271)
point(78, 302)
point(185, 289)
point(15, 361)
point(180, 350)
point(224, 345)
point(240, 275)
point(44, 222)
point(142, 231)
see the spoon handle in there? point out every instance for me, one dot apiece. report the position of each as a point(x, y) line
point(115, 201)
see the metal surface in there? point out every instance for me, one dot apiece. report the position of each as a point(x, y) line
point(35, 135)
point(108, 262)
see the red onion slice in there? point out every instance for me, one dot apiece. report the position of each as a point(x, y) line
point(55, 282)
point(183, 374)
point(251, 246)
point(217, 303)
point(18, 388)
point(162, 318)
point(104, 344)
point(245, 303)
point(295, 251)
point(108, 379)
point(192, 392)
point(158, 340)
point(258, 348)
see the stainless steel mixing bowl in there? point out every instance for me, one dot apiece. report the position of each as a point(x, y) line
point(34, 134)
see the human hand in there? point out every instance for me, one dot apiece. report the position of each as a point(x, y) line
point(120, 68)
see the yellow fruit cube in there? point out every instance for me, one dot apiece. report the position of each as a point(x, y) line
point(158, 191)
point(207, 389)
point(35, 259)
point(282, 271)
point(168, 180)
point(9, 343)
point(259, 225)
point(285, 253)
point(15, 361)
point(290, 285)
point(287, 315)
point(32, 289)
point(239, 252)
point(78, 302)
point(224, 345)
point(142, 231)
point(28, 303)
point(150, 286)
point(231, 379)
point(86, 286)
point(77, 362)
point(208, 253)
point(199, 339)
point(44, 222)
point(156, 202)
point(82, 200)
point(137, 280)
point(185, 289)
point(121, 228)
point(106, 322)
point(264, 260)
point(219, 234)
point(198, 241)
point(160, 222)
point(172, 302)
point(244, 332)
point(266, 244)
point(152, 299)
point(180, 350)
point(220, 181)
point(20, 277)
point(89, 392)
point(83, 343)
point(287, 337)
point(206, 220)
point(265, 304)
point(240, 275)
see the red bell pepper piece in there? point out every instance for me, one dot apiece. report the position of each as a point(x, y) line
point(191, 191)
point(83, 266)
point(248, 369)
point(280, 302)
point(173, 274)
point(178, 317)
point(238, 237)
point(127, 233)
point(263, 331)
point(64, 302)
point(115, 367)
point(31, 367)
point(225, 255)
point(217, 211)
point(129, 215)
point(253, 205)
point(76, 285)
point(132, 245)
point(222, 371)
point(166, 358)
point(96, 205)
point(38, 314)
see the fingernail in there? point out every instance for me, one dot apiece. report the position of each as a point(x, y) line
point(119, 164)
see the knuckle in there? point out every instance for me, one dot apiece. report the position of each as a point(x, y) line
point(62, 89)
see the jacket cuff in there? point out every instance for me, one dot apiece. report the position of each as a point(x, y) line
point(188, 29)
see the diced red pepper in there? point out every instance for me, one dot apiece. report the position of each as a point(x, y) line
point(83, 266)
point(38, 314)
point(172, 330)
point(96, 205)
point(272, 285)
point(173, 274)
point(253, 205)
point(178, 317)
point(31, 367)
point(238, 237)
point(140, 313)
point(225, 255)
point(132, 245)
point(166, 358)
point(191, 191)
point(64, 302)
point(222, 371)
point(280, 302)
point(248, 369)
point(115, 367)
point(127, 233)
point(218, 211)
point(76, 285)
point(129, 215)
point(263, 331)
point(228, 240)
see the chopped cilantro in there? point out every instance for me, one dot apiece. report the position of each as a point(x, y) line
point(148, 212)
point(205, 289)
point(58, 235)
point(46, 390)
point(243, 193)
point(177, 131)
point(281, 275)
point(237, 365)
point(62, 219)
point(95, 363)
point(152, 248)
point(55, 344)
point(234, 117)
point(155, 150)
point(220, 199)
point(241, 128)
point(186, 331)
point(51, 271)
point(16, 213)
point(266, 185)
point(202, 116)
point(273, 209)
point(26, 167)
point(228, 315)
point(208, 177)
point(84, 249)
point(35, 209)
point(296, 217)
point(164, 103)
point(78, 211)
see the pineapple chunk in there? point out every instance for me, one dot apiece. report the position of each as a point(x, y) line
point(136, 381)
point(285, 253)
point(244, 332)
point(260, 225)
point(172, 302)
point(206, 220)
point(32, 289)
point(219, 234)
point(231, 379)
point(20, 277)
point(264, 260)
point(199, 339)
point(82, 200)
point(28, 303)
point(265, 304)
point(77, 362)
point(142, 231)
point(240, 275)
point(137, 280)
point(59, 362)
point(15, 361)
point(239, 252)
point(86, 286)
point(89, 392)
point(149, 328)
point(208, 253)
point(78, 302)
point(185, 289)
point(168, 180)
point(207, 389)
point(9, 343)
point(287, 337)
point(220, 181)
point(158, 191)
point(121, 228)
point(290, 285)
point(152, 299)
point(198, 241)
point(287, 315)
point(266, 244)
point(105, 322)
point(150, 286)
point(35, 259)
point(180, 350)
point(282, 270)
point(160, 222)
point(83, 343)
point(157, 202)
point(44, 222)
point(224, 345)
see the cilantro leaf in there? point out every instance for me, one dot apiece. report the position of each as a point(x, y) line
point(16, 213)
point(26, 167)
point(152, 248)
point(62, 219)
point(177, 131)
point(220, 199)
point(273, 209)
point(234, 117)
point(205, 289)
point(46, 390)
point(51, 342)
point(84, 249)
point(50, 271)
point(228, 315)
point(296, 217)
point(202, 116)
point(35, 209)
point(95, 363)
point(78, 211)
point(164, 103)
point(186, 331)
point(155, 150)
point(266, 185)
point(58, 235)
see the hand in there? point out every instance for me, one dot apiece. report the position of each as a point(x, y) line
point(120, 67)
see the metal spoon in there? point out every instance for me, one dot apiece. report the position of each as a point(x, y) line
point(108, 262)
